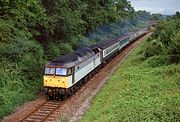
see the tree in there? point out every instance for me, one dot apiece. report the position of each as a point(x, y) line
point(177, 14)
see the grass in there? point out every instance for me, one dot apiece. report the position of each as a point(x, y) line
point(138, 92)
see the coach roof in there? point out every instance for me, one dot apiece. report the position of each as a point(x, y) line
point(106, 43)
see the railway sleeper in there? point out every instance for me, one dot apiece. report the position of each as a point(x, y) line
point(33, 119)
point(42, 111)
point(51, 119)
point(37, 117)
point(48, 107)
point(41, 114)
point(51, 105)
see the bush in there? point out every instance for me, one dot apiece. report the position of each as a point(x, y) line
point(156, 61)
point(174, 49)
point(165, 42)
point(154, 48)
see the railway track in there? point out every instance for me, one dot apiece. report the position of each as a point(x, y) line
point(44, 112)
point(73, 107)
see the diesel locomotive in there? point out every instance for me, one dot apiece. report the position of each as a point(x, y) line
point(65, 74)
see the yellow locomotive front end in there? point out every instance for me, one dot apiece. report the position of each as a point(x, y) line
point(56, 80)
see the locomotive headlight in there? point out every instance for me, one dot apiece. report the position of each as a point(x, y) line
point(63, 79)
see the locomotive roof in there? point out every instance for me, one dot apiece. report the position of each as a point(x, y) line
point(72, 59)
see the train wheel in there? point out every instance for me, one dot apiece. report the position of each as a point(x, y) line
point(93, 73)
point(65, 96)
point(72, 92)
point(49, 97)
point(86, 79)
point(69, 92)
point(78, 85)
point(89, 76)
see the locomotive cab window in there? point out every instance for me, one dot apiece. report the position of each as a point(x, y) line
point(69, 71)
point(49, 71)
point(61, 71)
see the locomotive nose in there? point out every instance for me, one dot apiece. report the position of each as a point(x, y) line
point(56, 81)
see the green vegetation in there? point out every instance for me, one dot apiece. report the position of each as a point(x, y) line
point(146, 86)
point(164, 46)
